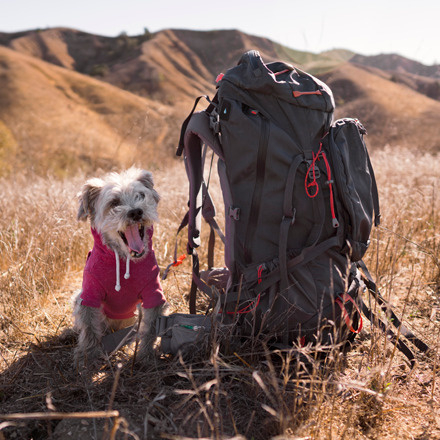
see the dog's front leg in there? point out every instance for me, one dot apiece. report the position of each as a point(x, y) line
point(90, 322)
point(147, 331)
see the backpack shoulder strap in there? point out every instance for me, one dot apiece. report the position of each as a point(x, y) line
point(197, 131)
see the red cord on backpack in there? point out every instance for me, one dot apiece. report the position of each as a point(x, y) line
point(346, 297)
point(245, 310)
point(260, 272)
point(312, 167)
point(314, 182)
point(330, 185)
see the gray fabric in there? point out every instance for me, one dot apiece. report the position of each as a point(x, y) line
point(179, 330)
point(118, 339)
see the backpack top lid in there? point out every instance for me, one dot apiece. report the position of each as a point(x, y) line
point(282, 81)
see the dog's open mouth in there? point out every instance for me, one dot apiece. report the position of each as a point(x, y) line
point(133, 237)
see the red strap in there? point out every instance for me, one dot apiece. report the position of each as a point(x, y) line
point(346, 297)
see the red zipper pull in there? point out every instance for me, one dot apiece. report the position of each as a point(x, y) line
point(297, 94)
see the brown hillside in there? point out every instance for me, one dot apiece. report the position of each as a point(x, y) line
point(61, 110)
point(417, 76)
point(392, 113)
point(397, 63)
point(64, 120)
point(171, 65)
point(165, 69)
point(73, 49)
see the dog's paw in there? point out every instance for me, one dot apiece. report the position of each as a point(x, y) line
point(88, 359)
point(146, 352)
point(68, 337)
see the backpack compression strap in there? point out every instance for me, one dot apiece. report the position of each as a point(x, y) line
point(371, 286)
point(393, 338)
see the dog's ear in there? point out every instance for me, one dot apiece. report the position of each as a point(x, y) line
point(146, 178)
point(87, 198)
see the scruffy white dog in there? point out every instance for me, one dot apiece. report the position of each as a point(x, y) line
point(122, 209)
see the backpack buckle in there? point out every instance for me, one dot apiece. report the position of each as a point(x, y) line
point(290, 218)
point(214, 121)
point(234, 213)
point(315, 172)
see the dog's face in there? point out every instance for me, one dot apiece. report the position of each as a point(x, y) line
point(121, 207)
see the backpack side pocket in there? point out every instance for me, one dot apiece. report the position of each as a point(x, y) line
point(355, 184)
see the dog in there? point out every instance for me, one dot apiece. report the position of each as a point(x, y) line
point(122, 209)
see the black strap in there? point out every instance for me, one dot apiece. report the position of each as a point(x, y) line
point(258, 189)
point(198, 284)
point(385, 306)
point(375, 194)
point(306, 255)
point(193, 290)
point(400, 345)
point(211, 246)
point(186, 122)
point(288, 220)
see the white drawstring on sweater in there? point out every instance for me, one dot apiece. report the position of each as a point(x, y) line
point(127, 268)
point(127, 271)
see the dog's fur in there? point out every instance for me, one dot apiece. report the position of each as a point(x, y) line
point(113, 204)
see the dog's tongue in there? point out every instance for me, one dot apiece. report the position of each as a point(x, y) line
point(134, 240)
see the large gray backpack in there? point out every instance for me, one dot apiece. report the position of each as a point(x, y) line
point(300, 200)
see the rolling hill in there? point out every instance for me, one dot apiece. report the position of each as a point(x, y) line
point(392, 113)
point(424, 79)
point(56, 119)
point(69, 99)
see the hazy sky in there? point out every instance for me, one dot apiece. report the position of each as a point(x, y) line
point(410, 28)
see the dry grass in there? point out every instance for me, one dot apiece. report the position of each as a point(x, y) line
point(369, 393)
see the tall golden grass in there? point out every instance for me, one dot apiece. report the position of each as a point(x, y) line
point(368, 393)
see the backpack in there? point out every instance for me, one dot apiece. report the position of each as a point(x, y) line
point(300, 201)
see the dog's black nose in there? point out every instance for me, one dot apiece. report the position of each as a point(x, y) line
point(135, 214)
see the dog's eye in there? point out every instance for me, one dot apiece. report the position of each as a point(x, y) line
point(140, 196)
point(114, 203)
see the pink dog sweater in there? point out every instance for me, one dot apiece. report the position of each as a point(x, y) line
point(99, 277)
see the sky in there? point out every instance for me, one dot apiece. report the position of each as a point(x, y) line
point(410, 28)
